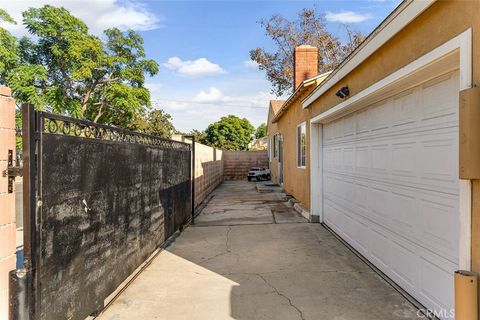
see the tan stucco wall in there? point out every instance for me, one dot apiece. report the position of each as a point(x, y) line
point(296, 181)
point(438, 24)
point(272, 129)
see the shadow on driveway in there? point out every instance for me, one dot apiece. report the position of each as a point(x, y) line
point(250, 256)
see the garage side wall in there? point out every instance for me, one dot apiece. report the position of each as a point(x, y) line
point(441, 22)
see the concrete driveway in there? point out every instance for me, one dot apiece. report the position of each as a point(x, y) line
point(250, 256)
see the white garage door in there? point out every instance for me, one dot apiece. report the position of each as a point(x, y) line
point(391, 187)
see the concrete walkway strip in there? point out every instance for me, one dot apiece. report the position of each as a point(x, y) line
point(251, 256)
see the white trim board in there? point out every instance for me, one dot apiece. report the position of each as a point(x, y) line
point(461, 44)
point(409, 13)
point(297, 146)
point(316, 171)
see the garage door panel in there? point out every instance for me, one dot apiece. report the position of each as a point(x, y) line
point(362, 158)
point(407, 166)
point(363, 122)
point(403, 159)
point(403, 264)
point(348, 160)
point(397, 209)
point(439, 159)
point(380, 158)
point(404, 109)
point(437, 100)
point(348, 125)
point(391, 186)
point(378, 199)
point(439, 226)
point(361, 235)
point(403, 213)
point(360, 196)
point(380, 250)
point(381, 116)
point(436, 282)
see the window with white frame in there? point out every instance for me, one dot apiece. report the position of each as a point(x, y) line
point(275, 145)
point(269, 148)
point(301, 145)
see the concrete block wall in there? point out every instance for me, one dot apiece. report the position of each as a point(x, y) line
point(208, 170)
point(7, 200)
point(238, 163)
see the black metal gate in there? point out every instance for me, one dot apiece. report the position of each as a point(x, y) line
point(98, 200)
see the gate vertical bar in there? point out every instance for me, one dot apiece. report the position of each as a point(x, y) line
point(29, 132)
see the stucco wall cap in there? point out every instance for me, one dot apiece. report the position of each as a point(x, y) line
point(5, 91)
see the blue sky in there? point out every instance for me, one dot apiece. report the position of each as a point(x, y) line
point(203, 47)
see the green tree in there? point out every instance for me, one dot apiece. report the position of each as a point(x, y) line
point(310, 29)
point(64, 69)
point(200, 136)
point(8, 48)
point(230, 133)
point(159, 123)
point(261, 131)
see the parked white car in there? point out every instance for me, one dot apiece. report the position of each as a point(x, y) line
point(258, 173)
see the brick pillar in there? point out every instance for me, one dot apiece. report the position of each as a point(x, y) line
point(7, 200)
point(305, 64)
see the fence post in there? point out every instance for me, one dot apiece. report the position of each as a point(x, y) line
point(193, 179)
point(7, 197)
point(192, 150)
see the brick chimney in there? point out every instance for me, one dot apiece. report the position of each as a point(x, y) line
point(305, 62)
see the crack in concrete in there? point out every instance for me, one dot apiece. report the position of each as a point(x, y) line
point(300, 313)
point(227, 248)
point(297, 271)
point(273, 216)
point(227, 237)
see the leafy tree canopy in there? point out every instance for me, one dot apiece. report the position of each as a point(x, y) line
point(200, 136)
point(308, 29)
point(261, 131)
point(230, 133)
point(158, 123)
point(64, 69)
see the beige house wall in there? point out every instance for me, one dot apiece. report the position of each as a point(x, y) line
point(296, 181)
point(7, 200)
point(272, 129)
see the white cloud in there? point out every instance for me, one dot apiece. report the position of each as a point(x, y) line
point(250, 64)
point(196, 68)
point(212, 95)
point(347, 17)
point(97, 14)
point(197, 111)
